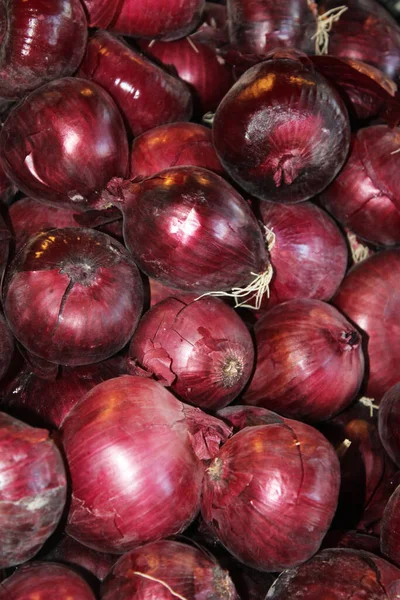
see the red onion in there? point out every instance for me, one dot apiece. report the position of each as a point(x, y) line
point(46, 162)
point(73, 296)
point(32, 490)
point(40, 41)
point(198, 64)
point(166, 570)
point(173, 145)
point(146, 94)
point(309, 361)
point(189, 229)
point(6, 347)
point(282, 131)
point(390, 536)
point(366, 194)
point(369, 297)
point(338, 574)
point(41, 581)
point(388, 422)
point(135, 458)
point(309, 254)
point(271, 493)
point(201, 349)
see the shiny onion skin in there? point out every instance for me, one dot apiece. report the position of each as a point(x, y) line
point(338, 574)
point(390, 530)
point(33, 490)
point(309, 362)
point(40, 40)
point(309, 256)
point(6, 346)
point(41, 581)
point(369, 297)
point(365, 196)
point(135, 455)
point(282, 131)
point(202, 350)
point(164, 569)
point(271, 493)
point(73, 296)
point(197, 63)
point(388, 422)
point(146, 94)
point(189, 229)
point(173, 145)
point(86, 130)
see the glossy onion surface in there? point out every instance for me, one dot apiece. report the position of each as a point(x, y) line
point(73, 296)
point(309, 363)
point(135, 454)
point(70, 162)
point(388, 422)
point(282, 132)
point(271, 493)
point(33, 489)
point(146, 94)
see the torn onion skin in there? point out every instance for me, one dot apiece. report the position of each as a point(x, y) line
point(165, 570)
point(388, 422)
point(132, 450)
point(73, 296)
point(282, 131)
point(271, 493)
point(33, 490)
point(202, 350)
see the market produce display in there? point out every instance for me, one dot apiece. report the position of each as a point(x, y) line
point(200, 300)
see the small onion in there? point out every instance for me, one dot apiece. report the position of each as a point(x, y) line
point(388, 422)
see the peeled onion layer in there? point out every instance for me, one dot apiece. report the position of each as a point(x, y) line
point(282, 131)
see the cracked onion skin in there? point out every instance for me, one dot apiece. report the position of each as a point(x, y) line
point(310, 362)
point(33, 489)
point(146, 94)
point(338, 574)
point(40, 40)
point(69, 163)
point(191, 572)
point(202, 350)
point(136, 459)
point(271, 493)
point(282, 131)
point(73, 296)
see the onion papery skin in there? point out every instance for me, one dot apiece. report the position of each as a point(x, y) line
point(198, 64)
point(190, 572)
point(309, 256)
point(374, 37)
point(86, 130)
point(135, 456)
point(189, 229)
point(159, 292)
point(241, 416)
point(338, 574)
point(282, 132)
point(309, 364)
point(271, 493)
point(73, 296)
point(390, 530)
point(6, 347)
point(202, 350)
point(365, 196)
point(40, 41)
point(368, 296)
point(146, 94)
point(41, 580)
point(388, 422)
point(32, 491)
point(173, 145)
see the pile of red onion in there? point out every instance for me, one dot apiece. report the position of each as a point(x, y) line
point(200, 300)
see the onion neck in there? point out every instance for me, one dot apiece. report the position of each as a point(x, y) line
point(232, 371)
point(118, 192)
point(349, 339)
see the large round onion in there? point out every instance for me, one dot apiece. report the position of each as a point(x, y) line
point(165, 569)
point(70, 161)
point(32, 490)
point(309, 362)
point(135, 457)
point(73, 296)
point(369, 296)
point(282, 131)
point(271, 493)
point(201, 349)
